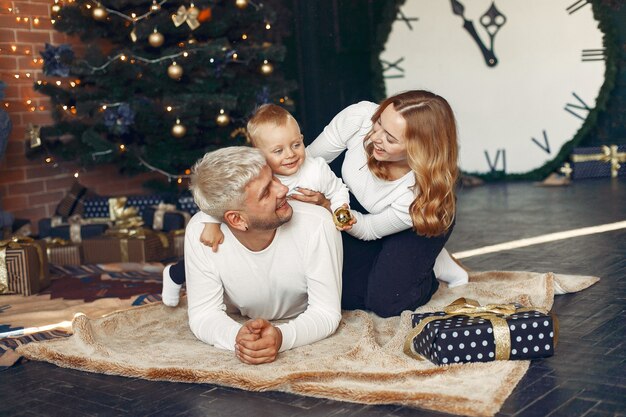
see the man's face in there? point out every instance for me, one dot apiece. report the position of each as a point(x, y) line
point(266, 204)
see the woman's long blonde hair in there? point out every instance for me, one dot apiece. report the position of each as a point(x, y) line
point(432, 153)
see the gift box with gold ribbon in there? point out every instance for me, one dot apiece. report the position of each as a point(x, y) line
point(165, 217)
point(126, 245)
point(468, 332)
point(23, 266)
point(63, 252)
point(596, 162)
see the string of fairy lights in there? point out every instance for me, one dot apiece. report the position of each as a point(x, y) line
point(190, 15)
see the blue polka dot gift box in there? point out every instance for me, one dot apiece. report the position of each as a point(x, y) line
point(468, 332)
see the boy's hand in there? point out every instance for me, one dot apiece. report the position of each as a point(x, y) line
point(212, 236)
point(310, 196)
point(339, 218)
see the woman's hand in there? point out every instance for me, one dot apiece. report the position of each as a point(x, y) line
point(310, 196)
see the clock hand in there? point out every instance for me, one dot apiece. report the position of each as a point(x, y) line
point(459, 10)
point(492, 20)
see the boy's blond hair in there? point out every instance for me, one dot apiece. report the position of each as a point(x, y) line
point(267, 114)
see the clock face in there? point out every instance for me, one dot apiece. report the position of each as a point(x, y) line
point(521, 76)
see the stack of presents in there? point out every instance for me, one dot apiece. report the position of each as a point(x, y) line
point(90, 229)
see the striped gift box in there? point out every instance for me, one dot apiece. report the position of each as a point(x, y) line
point(27, 267)
point(64, 254)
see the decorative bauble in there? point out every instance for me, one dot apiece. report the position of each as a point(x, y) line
point(342, 216)
point(175, 71)
point(222, 119)
point(242, 4)
point(99, 13)
point(178, 130)
point(156, 39)
point(267, 68)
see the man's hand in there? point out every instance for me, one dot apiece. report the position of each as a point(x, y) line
point(258, 341)
point(310, 196)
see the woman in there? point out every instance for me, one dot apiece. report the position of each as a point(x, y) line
point(400, 165)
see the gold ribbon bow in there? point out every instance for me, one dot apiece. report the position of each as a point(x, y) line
point(187, 15)
point(123, 217)
point(16, 243)
point(494, 313)
point(609, 154)
point(161, 210)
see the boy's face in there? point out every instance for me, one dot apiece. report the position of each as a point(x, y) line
point(283, 147)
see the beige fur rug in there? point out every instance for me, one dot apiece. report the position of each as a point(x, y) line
point(362, 362)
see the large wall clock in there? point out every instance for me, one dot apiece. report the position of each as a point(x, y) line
point(521, 76)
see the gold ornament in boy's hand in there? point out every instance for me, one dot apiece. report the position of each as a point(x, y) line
point(342, 216)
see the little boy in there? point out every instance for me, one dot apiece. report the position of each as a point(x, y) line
point(274, 131)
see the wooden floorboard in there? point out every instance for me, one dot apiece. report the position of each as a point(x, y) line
point(586, 377)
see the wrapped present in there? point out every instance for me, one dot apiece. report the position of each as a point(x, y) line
point(595, 162)
point(63, 252)
point(126, 245)
point(186, 203)
point(116, 208)
point(177, 242)
point(165, 217)
point(23, 266)
point(77, 231)
point(468, 332)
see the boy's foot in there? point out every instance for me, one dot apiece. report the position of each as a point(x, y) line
point(171, 290)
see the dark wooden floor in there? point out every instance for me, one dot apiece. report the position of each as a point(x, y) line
point(586, 377)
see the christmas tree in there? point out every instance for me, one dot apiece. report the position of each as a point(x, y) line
point(158, 83)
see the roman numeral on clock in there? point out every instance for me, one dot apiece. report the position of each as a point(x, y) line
point(577, 5)
point(494, 165)
point(573, 109)
point(394, 67)
point(545, 146)
point(407, 20)
point(590, 55)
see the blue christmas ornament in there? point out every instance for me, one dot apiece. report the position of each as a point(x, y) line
point(56, 60)
point(118, 119)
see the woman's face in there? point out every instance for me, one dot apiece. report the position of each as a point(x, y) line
point(388, 137)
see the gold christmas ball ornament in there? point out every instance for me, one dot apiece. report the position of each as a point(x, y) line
point(175, 71)
point(156, 39)
point(99, 13)
point(267, 68)
point(222, 119)
point(342, 216)
point(178, 130)
point(242, 4)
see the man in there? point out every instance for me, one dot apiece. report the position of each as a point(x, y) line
point(277, 261)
